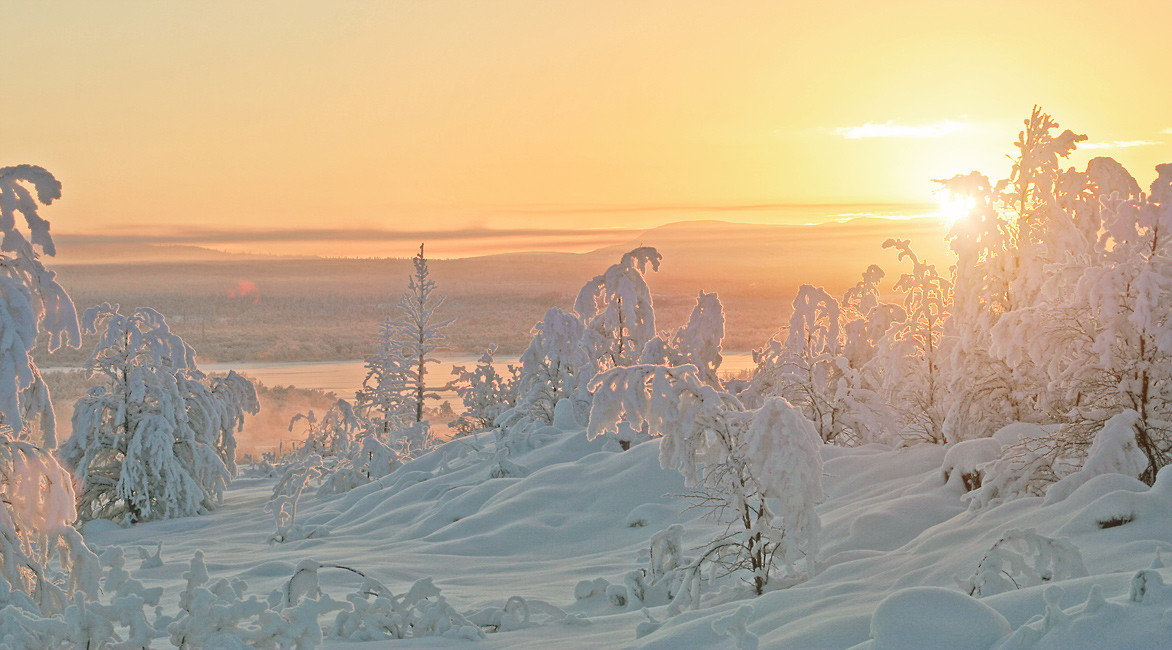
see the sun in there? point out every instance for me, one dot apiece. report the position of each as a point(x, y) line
point(953, 207)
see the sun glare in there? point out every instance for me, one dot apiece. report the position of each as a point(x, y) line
point(953, 207)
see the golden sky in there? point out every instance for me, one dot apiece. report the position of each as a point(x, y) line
point(176, 118)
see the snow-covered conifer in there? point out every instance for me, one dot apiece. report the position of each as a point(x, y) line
point(387, 396)
point(420, 332)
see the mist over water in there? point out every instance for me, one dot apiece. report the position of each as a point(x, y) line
point(316, 381)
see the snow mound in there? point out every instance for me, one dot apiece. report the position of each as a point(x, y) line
point(963, 459)
point(934, 617)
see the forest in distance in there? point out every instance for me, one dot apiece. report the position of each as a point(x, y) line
point(235, 308)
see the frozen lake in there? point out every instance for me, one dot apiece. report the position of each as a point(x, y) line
point(345, 377)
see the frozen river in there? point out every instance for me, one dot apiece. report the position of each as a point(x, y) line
point(345, 377)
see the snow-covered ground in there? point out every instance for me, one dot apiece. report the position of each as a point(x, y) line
point(891, 525)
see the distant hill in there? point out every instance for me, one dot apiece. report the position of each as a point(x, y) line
point(75, 249)
point(831, 253)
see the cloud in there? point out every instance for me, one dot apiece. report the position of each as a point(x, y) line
point(1117, 144)
point(1167, 130)
point(892, 130)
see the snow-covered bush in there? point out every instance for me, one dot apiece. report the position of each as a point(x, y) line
point(912, 359)
point(1023, 558)
point(485, 393)
point(617, 311)
point(828, 367)
point(157, 438)
point(344, 450)
point(697, 342)
point(758, 471)
point(965, 460)
point(287, 495)
point(555, 366)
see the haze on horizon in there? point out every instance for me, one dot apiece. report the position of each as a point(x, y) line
point(554, 120)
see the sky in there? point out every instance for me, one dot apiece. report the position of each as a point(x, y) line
point(365, 124)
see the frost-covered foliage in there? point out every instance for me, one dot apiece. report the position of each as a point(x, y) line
point(826, 362)
point(697, 342)
point(758, 471)
point(555, 366)
point(617, 311)
point(36, 510)
point(395, 390)
point(665, 572)
point(344, 449)
point(32, 302)
point(912, 356)
point(49, 579)
point(1115, 450)
point(1023, 558)
point(984, 392)
point(217, 614)
point(386, 396)
point(282, 505)
point(156, 439)
point(612, 325)
point(804, 367)
point(486, 393)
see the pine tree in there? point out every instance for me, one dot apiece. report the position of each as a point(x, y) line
point(395, 390)
point(387, 396)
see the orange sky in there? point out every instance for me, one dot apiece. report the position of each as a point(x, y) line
point(434, 115)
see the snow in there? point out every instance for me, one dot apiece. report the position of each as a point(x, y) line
point(934, 617)
point(897, 540)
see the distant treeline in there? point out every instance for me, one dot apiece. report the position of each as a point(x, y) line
point(330, 309)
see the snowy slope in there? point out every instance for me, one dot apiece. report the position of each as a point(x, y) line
point(889, 523)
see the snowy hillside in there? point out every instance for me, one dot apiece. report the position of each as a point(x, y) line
point(579, 513)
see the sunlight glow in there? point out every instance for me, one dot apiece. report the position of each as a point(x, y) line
point(954, 207)
point(892, 130)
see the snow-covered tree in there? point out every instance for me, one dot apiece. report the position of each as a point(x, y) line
point(984, 393)
point(421, 333)
point(828, 367)
point(485, 393)
point(807, 361)
point(759, 471)
point(32, 301)
point(862, 412)
point(387, 397)
point(45, 566)
point(912, 362)
point(555, 366)
point(696, 342)
point(155, 438)
point(617, 310)
point(395, 389)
